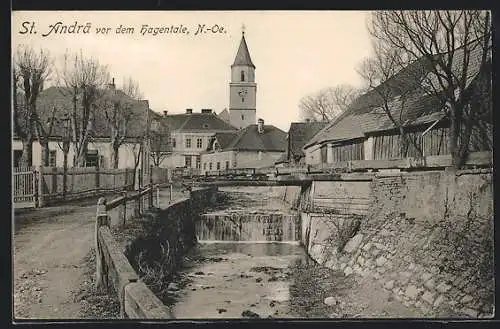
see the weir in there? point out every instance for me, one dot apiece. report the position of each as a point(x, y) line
point(248, 245)
point(257, 226)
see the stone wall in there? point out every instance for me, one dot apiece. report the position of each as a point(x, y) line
point(156, 252)
point(428, 238)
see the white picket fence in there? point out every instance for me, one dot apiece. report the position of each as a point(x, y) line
point(24, 187)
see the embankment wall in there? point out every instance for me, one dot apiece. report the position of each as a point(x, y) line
point(426, 236)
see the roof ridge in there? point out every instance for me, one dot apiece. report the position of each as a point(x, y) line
point(240, 135)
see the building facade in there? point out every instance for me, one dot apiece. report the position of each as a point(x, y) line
point(190, 134)
point(256, 146)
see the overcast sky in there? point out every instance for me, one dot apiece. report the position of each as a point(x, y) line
point(295, 53)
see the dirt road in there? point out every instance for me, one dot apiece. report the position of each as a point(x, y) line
point(50, 245)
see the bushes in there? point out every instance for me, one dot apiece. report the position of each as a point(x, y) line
point(157, 253)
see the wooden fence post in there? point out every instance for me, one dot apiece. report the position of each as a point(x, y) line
point(137, 205)
point(151, 191)
point(158, 195)
point(102, 218)
point(124, 207)
point(97, 179)
point(41, 202)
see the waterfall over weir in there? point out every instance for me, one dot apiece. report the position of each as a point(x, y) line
point(254, 226)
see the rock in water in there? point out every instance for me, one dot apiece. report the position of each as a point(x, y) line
point(330, 301)
point(249, 314)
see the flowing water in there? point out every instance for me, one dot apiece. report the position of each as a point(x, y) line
point(243, 263)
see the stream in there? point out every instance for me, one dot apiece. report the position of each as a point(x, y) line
point(243, 264)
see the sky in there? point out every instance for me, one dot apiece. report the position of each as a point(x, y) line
point(295, 53)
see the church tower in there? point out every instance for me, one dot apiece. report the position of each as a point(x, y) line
point(242, 88)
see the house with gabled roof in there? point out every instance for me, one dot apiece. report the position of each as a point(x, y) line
point(298, 135)
point(365, 132)
point(53, 103)
point(190, 135)
point(256, 146)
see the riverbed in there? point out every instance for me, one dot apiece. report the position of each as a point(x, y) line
point(235, 274)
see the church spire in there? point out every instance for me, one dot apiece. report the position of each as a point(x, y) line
point(243, 55)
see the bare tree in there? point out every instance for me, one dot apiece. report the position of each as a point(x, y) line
point(446, 39)
point(131, 88)
point(118, 110)
point(387, 79)
point(30, 70)
point(160, 143)
point(328, 103)
point(83, 79)
point(137, 150)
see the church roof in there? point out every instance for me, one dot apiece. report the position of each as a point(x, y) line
point(243, 55)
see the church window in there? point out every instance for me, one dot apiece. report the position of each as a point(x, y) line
point(242, 75)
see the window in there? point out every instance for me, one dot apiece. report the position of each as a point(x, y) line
point(218, 165)
point(242, 75)
point(198, 162)
point(242, 117)
point(173, 143)
point(204, 166)
point(188, 143)
point(53, 158)
point(92, 158)
point(227, 164)
point(187, 161)
point(199, 143)
point(210, 166)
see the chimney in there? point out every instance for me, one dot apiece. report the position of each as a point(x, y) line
point(165, 113)
point(189, 111)
point(206, 110)
point(112, 84)
point(260, 126)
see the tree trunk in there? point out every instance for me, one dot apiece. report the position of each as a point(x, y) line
point(80, 157)
point(114, 155)
point(45, 153)
point(403, 143)
point(65, 172)
point(453, 141)
point(27, 157)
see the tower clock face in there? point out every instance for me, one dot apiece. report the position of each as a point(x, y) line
point(242, 92)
